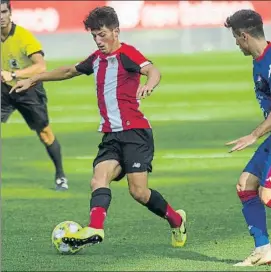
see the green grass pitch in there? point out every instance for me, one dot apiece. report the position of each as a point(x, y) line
point(204, 100)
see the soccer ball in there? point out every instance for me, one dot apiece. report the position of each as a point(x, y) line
point(58, 233)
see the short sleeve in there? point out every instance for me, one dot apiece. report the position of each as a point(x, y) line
point(31, 44)
point(86, 66)
point(132, 60)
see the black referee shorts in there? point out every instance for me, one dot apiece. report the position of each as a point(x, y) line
point(32, 105)
point(133, 149)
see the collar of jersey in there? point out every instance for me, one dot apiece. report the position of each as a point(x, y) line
point(264, 52)
point(11, 32)
point(111, 54)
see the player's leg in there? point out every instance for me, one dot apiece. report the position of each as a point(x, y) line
point(253, 208)
point(106, 169)
point(33, 107)
point(7, 106)
point(53, 149)
point(138, 155)
point(265, 188)
point(265, 193)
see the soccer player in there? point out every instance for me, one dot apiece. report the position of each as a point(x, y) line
point(254, 186)
point(22, 57)
point(127, 146)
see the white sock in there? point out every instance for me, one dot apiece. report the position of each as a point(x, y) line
point(263, 248)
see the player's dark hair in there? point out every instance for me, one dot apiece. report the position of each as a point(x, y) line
point(6, 2)
point(246, 20)
point(100, 17)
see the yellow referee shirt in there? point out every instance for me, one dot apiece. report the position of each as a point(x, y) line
point(17, 49)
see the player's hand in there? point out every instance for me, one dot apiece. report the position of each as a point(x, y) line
point(143, 91)
point(242, 142)
point(6, 76)
point(21, 86)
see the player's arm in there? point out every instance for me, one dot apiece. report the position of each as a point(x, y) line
point(263, 128)
point(153, 75)
point(243, 142)
point(133, 61)
point(38, 66)
point(61, 73)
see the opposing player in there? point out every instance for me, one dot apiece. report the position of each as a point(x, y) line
point(127, 146)
point(22, 57)
point(254, 186)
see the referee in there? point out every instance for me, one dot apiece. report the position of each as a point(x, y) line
point(22, 57)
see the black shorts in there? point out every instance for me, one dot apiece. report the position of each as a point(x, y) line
point(133, 149)
point(32, 105)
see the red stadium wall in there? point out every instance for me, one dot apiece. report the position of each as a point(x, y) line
point(67, 16)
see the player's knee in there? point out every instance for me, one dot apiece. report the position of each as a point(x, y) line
point(247, 182)
point(97, 183)
point(46, 135)
point(247, 187)
point(104, 173)
point(139, 193)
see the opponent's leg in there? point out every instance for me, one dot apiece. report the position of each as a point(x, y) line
point(253, 208)
point(265, 188)
point(255, 216)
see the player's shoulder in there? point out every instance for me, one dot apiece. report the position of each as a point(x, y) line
point(20, 30)
point(128, 49)
point(94, 55)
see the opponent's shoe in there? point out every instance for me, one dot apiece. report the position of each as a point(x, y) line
point(61, 184)
point(179, 235)
point(85, 236)
point(257, 257)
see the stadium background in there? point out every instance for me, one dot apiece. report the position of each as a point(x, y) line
point(205, 99)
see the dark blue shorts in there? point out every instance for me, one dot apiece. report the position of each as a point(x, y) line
point(260, 163)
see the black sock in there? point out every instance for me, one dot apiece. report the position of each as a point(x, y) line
point(54, 151)
point(99, 204)
point(157, 204)
point(101, 198)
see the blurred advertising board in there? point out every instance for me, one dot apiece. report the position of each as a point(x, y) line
point(68, 16)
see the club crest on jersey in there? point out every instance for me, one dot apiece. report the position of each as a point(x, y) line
point(13, 64)
point(112, 61)
point(261, 85)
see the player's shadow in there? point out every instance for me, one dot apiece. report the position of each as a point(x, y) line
point(129, 251)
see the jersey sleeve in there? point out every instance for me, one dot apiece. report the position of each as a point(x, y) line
point(31, 44)
point(86, 66)
point(132, 60)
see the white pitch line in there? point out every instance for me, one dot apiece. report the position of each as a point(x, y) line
point(180, 69)
point(89, 107)
point(85, 119)
point(180, 156)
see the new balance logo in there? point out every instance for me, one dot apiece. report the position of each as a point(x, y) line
point(269, 72)
point(136, 165)
point(184, 225)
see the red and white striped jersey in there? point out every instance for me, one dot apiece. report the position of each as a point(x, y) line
point(117, 78)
